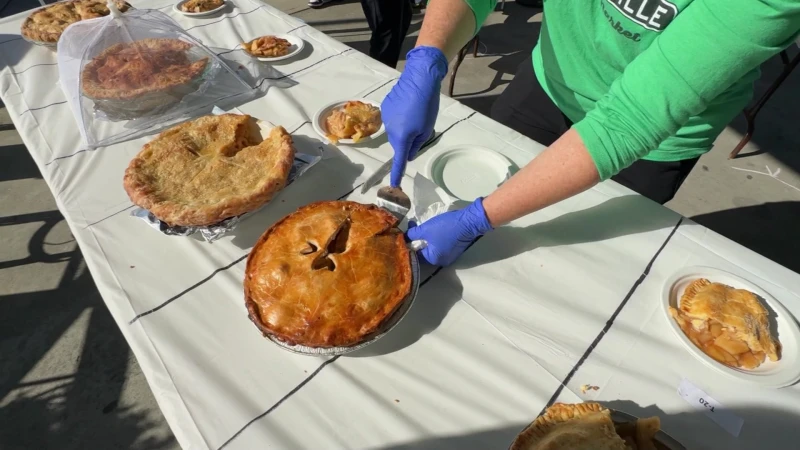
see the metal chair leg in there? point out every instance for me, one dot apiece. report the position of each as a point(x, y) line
point(751, 113)
point(461, 55)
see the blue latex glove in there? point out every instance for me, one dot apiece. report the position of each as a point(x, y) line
point(449, 234)
point(410, 109)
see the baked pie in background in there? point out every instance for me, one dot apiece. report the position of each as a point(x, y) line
point(586, 426)
point(727, 324)
point(267, 47)
point(327, 275)
point(199, 6)
point(148, 66)
point(355, 120)
point(46, 24)
point(212, 168)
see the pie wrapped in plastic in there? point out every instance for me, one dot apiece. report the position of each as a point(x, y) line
point(267, 47)
point(148, 66)
point(46, 24)
point(355, 120)
point(729, 325)
point(586, 426)
point(199, 6)
point(212, 168)
point(328, 274)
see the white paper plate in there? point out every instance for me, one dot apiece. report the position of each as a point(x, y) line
point(322, 130)
point(780, 373)
point(200, 14)
point(382, 330)
point(467, 172)
point(297, 47)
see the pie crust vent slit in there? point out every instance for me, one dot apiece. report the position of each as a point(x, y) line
point(337, 243)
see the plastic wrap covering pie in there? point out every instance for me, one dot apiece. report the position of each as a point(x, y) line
point(267, 47)
point(148, 66)
point(201, 172)
point(199, 6)
point(47, 24)
point(328, 274)
point(355, 120)
point(586, 426)
point(727, 324)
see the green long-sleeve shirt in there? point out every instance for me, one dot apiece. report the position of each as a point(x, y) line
point(654, 79)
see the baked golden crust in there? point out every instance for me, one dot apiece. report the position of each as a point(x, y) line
point(130, 70)
point(199, 6)
point(356, 120)
point(267, 47)
point(729, 325)
point(201, 172)
point(328, 274)
point(46, 24)
point(585, 426)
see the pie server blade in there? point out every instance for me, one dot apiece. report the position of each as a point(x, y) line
point(397, 203)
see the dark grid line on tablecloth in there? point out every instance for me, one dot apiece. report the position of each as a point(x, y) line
point(31, 67)
point(11, 40)
point(611, 319)
point(107, 217)
point(201, 282)
point(278, 403)
point(42, 107)
point(304, 68)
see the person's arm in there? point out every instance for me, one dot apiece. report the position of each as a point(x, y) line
point(707, 48)
point(450, 24)
point(561, 171)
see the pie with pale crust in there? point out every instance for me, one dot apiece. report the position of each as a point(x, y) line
point(212, 168)
point(199, 6)
point(267, 47)
point(355, 120)
point(46, 24)
point(727, 324)
point(328, 274)
point(586, 426)
point(148, 66)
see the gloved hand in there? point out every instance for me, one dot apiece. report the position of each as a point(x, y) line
point(449, 234)
point(410, 109)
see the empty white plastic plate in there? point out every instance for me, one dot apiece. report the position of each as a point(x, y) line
point(783, 326)
point(467, 172)
point(199, 14)
point(322, 115)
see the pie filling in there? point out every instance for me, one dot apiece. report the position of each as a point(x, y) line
point(355, 120)
point(268, 46)
point(198, 6)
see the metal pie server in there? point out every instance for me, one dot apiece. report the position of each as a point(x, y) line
point(386, 167)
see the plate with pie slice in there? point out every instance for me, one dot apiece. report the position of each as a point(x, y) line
point(349, 122)
point(274, 48)
point(330, 278)
point(733, 326)
point(592, 426)
point(45, 25)
point(199, 8)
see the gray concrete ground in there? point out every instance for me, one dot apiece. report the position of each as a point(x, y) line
point(67, 377)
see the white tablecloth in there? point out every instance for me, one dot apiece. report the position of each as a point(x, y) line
point(567, 296)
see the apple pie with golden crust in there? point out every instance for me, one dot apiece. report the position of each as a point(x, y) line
point(199, 6)
point(727, 324)
point(586, 426)
point(267, 47)
point(46, 24)
point(130, 70)
point(204, 171)
point(327, 275)
point(355, 120)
